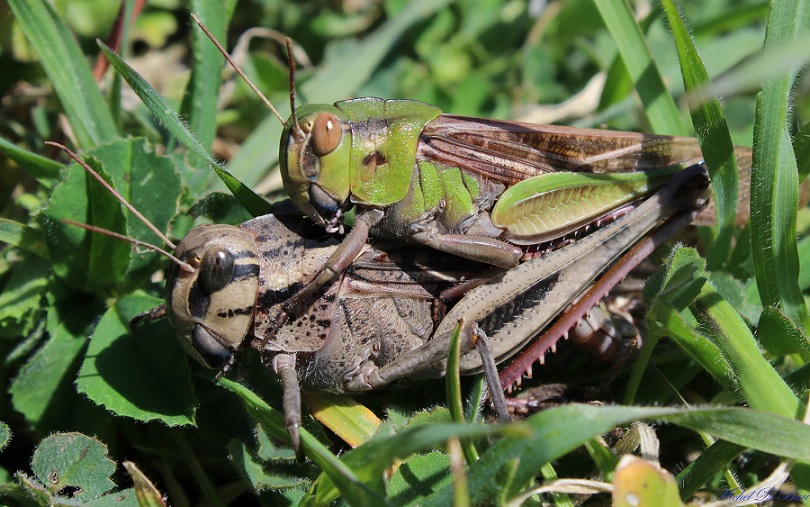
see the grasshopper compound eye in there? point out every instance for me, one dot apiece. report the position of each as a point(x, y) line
point(217, 268)
point(326, 134)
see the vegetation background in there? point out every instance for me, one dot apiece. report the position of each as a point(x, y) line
point(546, 62)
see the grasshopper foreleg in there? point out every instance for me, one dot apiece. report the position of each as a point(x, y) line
point(351, 247)
point(155, 313)
point(284, 366)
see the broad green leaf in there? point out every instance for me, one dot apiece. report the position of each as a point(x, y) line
point(144, 376)
point(87, 261)
point(150, 183)
point(269, 450)
point(73, 460)
point(20, 302)
point(43, 389)
point(67, 69)
point(124, 498)
point(261, 477)
point(90, 261)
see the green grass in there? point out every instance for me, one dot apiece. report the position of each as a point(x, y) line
point(735, 332)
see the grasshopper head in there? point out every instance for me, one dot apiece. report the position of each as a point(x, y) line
point(211, 309)
point(315, 162)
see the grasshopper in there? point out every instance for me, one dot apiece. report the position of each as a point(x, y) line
point(474, 188)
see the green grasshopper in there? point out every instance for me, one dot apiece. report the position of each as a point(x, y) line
point(485, 190)
point(471, 187)
point(475, 188)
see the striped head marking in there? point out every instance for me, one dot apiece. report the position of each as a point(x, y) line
point(212, 308)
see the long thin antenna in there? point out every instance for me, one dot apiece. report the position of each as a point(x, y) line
point(98, 230)
point(237, 69)
point(297, 133)
point(118, 196)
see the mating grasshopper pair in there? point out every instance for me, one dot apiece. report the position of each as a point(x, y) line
point(494, 192)
point(377, 323)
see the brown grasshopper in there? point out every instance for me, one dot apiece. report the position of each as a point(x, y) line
point(374, 326)
point(377, 323)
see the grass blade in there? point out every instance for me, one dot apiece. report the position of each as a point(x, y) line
point(661, 110)
point(555, 432)
point(202, 95)
point(170, 119)
point(67, 69)
point(774, 180)
point(44, 170)
point(712, 132)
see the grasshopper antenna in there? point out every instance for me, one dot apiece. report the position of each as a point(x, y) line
point(298, 134)
point(184, 265)
point(98, 230)
point(239, 71)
